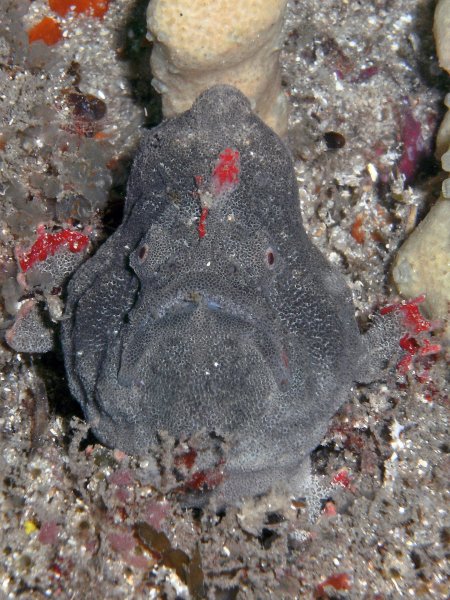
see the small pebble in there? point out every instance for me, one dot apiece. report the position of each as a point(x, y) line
point(334, 140)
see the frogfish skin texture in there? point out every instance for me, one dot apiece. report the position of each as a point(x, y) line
point(209, 309)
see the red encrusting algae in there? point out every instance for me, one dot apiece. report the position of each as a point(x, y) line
point(341, 478)
point(187, 458)
point(416, 324)
point(47, 31)
point(356, 231)
point(413, 319)
point(93, 8)
point(48, 244)
point(204, 480)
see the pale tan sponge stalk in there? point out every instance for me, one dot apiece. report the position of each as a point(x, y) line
point(441, 29)
point(200, 43)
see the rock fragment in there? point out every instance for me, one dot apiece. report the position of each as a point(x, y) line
point(29, 332)
point(422, 265)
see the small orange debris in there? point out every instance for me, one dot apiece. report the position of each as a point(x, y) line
point(101, 135)
point(92, 8)
point(356, 232)
point(47, 30)
point(338, 581)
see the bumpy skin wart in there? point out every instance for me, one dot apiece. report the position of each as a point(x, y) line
point(246, 330)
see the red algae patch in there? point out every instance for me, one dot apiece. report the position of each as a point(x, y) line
point(338, 581)
point(342, 478)
point(48, 243)
point(93, 8)
point(416, 324)
point(47, 31)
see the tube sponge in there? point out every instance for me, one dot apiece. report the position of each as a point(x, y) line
point(441, 29)
point(441, 33)
point(199, 44)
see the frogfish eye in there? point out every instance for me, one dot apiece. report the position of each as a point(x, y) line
point(270, 257)
point(143, 253)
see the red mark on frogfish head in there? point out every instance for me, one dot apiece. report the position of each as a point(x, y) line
point(225, 176)
point(202, 223)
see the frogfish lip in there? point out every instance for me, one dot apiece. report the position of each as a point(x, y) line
point(188, 302)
